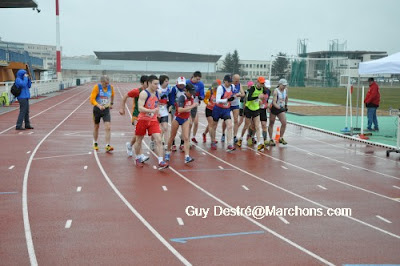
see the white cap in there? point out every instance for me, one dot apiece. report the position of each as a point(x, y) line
point(181, 80)
point(267, 84)
point(283, 82)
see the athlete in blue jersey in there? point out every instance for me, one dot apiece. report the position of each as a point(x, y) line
point(199, 96)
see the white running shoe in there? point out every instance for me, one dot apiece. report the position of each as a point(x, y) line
point(129, 149)
point(144, 158)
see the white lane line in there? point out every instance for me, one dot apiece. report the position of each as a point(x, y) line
point(58, 156)
point(11, 167)
point(284, 167)
point(148, 152)
point(244, 187)
point(68, 224)
point(203, 153)
point(283, 220)
point(220, 167)
point(78, 189)
point(349, 164)
point(20, 133)
point(85, 167)
point(308, 252)
point(324, 188)
point(344, 167)
point(30, 133)
point(180, 221)
point(164, 188)
point(154, 167)
point(28, 152)
point(25, 214)
point(90, 152)
point(302, 197)
point(310, 154)
point(122, 134)
point(137, 214)
point(257, 154)
point(396, 187)
point(383, 219)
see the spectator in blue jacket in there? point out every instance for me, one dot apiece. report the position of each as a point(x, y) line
point(24, 82)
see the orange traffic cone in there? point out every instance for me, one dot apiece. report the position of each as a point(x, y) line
point(278, 134)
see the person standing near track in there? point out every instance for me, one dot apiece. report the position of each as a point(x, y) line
point(163, 91)
point(238, 92)
point(148, 121)
point(176, 92)
point(279, 109)
point(372, 100)
point(184, 105)
point(135, 95)
point(24, 82)
point(199, 86)
point(222, 110)
point(102, 99)
point(252, 111)
point(263, 111)
point(209, 100)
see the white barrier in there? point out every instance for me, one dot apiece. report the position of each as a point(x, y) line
point(42, 87)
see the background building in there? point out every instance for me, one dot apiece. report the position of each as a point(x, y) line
point(130, 65)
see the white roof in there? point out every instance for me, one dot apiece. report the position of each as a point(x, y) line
point(386, 65)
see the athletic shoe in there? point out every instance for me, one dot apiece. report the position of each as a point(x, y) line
point(28, 127)
point(144, 158)
point(173, 148)
point(129, 149)
point(271, 143)
point(204, 138)
point(189, 159)
point(231, 148)
point(223, 138)
point(194, 140)
point(162, 165)
point(213, 146)
point(109, 148)
point(167, 157)
point(266, 142)
point(239, 143)
point(152, 145)
point(260, 147)
point(281, 140)
point(235, 139)
point(181, 147)
point(95, 146)
point(139, 162)
point(249, 141)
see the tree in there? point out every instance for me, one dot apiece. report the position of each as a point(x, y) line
point(227, 63)
point(231, 63)
point(235, 63)
point(280, 66)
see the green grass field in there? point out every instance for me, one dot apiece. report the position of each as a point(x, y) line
point(390, 97)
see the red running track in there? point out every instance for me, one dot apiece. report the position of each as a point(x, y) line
point(61, 203)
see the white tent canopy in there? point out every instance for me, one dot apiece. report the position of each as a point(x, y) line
point(386, 65)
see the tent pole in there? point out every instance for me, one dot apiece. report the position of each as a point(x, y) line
point(358, 106)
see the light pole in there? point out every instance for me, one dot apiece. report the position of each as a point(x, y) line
point(58, 51)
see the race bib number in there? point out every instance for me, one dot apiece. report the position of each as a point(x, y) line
point(104, 101)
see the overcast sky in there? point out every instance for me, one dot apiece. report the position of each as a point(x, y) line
point(256, 28)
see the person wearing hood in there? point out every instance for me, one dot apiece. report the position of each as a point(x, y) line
point(24, 82)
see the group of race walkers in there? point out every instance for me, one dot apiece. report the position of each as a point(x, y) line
point(156, 103)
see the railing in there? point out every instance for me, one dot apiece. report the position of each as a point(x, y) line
point(42, 87)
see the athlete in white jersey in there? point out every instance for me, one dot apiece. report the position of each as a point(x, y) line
point(278, 109)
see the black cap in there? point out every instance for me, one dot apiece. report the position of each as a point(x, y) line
point(228, 78)
point(371, 79)
point(190, 88)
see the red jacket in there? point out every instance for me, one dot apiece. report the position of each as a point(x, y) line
point(373, 96)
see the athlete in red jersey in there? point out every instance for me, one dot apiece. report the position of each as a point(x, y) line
point(184, 106)
point(148, 121)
